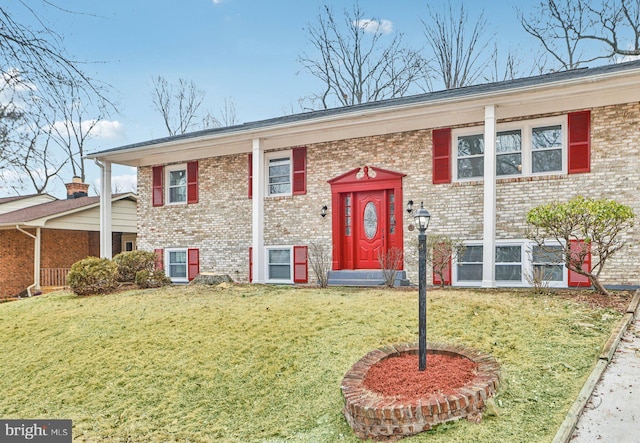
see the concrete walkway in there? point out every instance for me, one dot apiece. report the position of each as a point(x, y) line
point(612, 413)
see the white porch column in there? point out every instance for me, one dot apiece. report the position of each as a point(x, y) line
point(36, 259)
point(489, 226)
point(106, 250)
point(257, 212)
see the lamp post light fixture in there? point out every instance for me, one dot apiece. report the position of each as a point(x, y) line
point(323, 211)
point(422, 217)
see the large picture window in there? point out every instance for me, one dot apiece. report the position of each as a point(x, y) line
point(524, 148)
point(517, 263)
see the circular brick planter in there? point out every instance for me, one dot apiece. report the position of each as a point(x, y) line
point(372, 415)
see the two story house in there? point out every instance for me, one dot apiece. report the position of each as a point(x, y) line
point(249, 200)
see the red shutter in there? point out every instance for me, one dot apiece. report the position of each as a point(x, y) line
point(579, 152)
point(300, 170)
point(250, 262)
point(193, 263)
point(300, 271)
point(159, 258)
point(250, 175)
point(157, 191)
point(576, 279)
point(441, 155)
point(192, 182)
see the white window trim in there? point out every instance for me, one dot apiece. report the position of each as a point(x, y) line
point(167, 268)
point(268, 156)
point(526, 130)
point(526, 249)
point(167, 191)
point(266, 270)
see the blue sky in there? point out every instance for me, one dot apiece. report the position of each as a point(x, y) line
point(243, 49)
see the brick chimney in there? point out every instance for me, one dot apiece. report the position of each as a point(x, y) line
point(76, 188)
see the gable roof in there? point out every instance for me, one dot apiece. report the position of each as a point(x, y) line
point(554, 92)
point(40, 214)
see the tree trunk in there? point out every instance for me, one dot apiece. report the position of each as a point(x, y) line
point(597, 286)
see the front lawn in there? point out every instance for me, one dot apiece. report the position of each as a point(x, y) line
point(264, 363)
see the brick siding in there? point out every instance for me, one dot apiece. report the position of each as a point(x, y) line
point(220, 224)
point(58, 249)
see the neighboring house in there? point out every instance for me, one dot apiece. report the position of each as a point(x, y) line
point(41, 236)
point(246, 200)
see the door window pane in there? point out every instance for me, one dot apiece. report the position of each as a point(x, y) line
point(370, 220)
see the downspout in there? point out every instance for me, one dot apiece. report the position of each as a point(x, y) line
point(106, 250)
point(36, 259)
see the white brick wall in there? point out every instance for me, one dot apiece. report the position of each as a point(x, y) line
point(220, 224)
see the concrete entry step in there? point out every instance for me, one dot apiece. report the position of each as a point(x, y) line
point(365, 277)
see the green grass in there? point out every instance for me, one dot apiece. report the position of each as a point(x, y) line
point(264, 363)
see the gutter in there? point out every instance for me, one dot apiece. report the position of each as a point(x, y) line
point(36, 259)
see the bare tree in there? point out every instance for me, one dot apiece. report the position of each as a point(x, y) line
point(178, 104)
point(356, 61)
point(457, 45)
point(228, 112)
point(38, 82)
point(33, 157)
point(69, 125)
point(569, 29)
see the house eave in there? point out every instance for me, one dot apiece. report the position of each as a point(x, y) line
point(41, 222)
point(412, 113)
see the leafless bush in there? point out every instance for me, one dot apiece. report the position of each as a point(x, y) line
point(320, 260)
point(390, 263)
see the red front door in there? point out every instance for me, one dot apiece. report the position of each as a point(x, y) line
point(370, 226)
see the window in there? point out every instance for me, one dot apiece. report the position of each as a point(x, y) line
point(547, 263)
point(471, 156)
point(546, 146)
point(509, 153)
point(279, 264)
point(522, 149)
point(470, 264)
point(176, 264)
point(508, 263)
point(177, 184)
point(279, 175)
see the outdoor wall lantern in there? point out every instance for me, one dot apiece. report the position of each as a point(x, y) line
point(323, 211)
point(422, 218)
point(410, 206)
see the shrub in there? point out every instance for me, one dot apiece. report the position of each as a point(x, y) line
point(152, 279)
point(93, 276)
point(129, 263)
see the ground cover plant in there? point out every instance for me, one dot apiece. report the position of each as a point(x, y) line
point(241, 363)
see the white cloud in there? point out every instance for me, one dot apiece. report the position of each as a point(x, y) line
point(121, 183)
point(108, 129)
point(373, 26)
point(216, 2)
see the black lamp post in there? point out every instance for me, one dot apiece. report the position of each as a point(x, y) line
point(421, 217)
